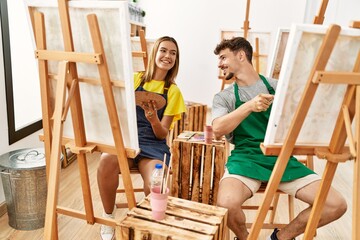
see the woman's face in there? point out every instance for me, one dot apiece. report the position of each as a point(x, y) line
point(166, 55)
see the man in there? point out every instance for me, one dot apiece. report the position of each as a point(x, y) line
point(241, 113)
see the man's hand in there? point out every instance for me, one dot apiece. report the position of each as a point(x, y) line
point(261, 102)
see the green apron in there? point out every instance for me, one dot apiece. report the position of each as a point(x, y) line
point(247, 158)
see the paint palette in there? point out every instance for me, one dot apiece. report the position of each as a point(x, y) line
point(142, 97)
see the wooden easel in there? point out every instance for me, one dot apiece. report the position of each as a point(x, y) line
point(350, 112)
point(319, 19)
point(53, 139)
point(246, 26)
point(335, 152)
point(256, 53)
point(143, 53)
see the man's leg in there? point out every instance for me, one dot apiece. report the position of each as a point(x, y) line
point(335, 206)
point(231, 195)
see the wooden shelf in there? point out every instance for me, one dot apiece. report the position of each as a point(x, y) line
point(135, 27)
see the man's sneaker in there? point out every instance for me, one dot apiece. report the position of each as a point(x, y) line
point(107, 232)
point(273, 235)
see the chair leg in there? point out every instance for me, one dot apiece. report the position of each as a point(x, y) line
point(310, 162)
point(275, 204)
point(291, 200)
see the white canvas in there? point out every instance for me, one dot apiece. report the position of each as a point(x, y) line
point(303, 44)
point(277, 56)
point(114, 26)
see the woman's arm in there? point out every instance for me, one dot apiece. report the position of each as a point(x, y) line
point(161, 129)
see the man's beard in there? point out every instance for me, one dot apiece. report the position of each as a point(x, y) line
point(229, 76)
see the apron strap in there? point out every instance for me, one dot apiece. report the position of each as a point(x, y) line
point(236, 90)
point(166, 86)
point(268, 86)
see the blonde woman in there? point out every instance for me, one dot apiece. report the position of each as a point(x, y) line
point(153, 125)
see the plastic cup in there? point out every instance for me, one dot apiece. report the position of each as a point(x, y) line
point(158, 203)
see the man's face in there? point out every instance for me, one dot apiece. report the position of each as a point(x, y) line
point(227, 62)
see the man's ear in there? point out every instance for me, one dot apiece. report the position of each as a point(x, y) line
point(242, 56)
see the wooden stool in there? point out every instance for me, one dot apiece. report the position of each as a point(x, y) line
point(184, 220)
point(194, 119)
point(197, 169)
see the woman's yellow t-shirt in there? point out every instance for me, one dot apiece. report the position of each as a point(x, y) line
point(175, 101)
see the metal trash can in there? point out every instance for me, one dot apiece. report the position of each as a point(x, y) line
point(24, 182)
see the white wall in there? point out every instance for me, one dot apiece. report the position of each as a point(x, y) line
point(31, 141)
point(196, 26)
point(22, 60)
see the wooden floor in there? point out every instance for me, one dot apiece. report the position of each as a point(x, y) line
point(70, 196)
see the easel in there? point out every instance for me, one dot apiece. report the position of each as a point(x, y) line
point(143, 53)
point(53, 139)
point(256, 53)
point(350, 112)
point(335, 152)
point(319, 19)
point(246, 26)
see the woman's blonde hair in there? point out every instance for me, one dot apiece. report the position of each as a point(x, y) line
point(172, 73)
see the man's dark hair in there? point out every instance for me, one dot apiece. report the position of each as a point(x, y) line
point(235, 44)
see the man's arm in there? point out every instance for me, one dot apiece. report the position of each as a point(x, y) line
point(227, 123)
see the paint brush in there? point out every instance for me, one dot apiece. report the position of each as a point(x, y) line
point(163, 171)
point(168, 174)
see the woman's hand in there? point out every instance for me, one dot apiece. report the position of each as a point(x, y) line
point(150, 110)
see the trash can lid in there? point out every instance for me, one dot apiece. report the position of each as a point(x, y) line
point(22, 159)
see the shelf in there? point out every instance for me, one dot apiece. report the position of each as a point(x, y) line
point(135, 27)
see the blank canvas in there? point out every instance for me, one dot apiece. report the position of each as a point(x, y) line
point(114, 26)
point(277, 56)
point(302, 47)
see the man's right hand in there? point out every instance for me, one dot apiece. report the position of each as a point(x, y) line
point(261, 102)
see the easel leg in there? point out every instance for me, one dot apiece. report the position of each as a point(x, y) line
point(54, 172)
point(111, 108)
point(356, 183)
point(356, 199)
point(320, 200)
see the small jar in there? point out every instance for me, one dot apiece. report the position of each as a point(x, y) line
point(208, 134)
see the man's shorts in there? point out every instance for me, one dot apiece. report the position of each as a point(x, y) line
point(290, 187)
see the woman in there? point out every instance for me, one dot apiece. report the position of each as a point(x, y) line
point(153, 124)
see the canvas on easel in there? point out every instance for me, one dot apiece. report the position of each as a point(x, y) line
point(319, 74)
point(276, 58)
point(304, 43)
point(85, 67)
point(118, 52)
